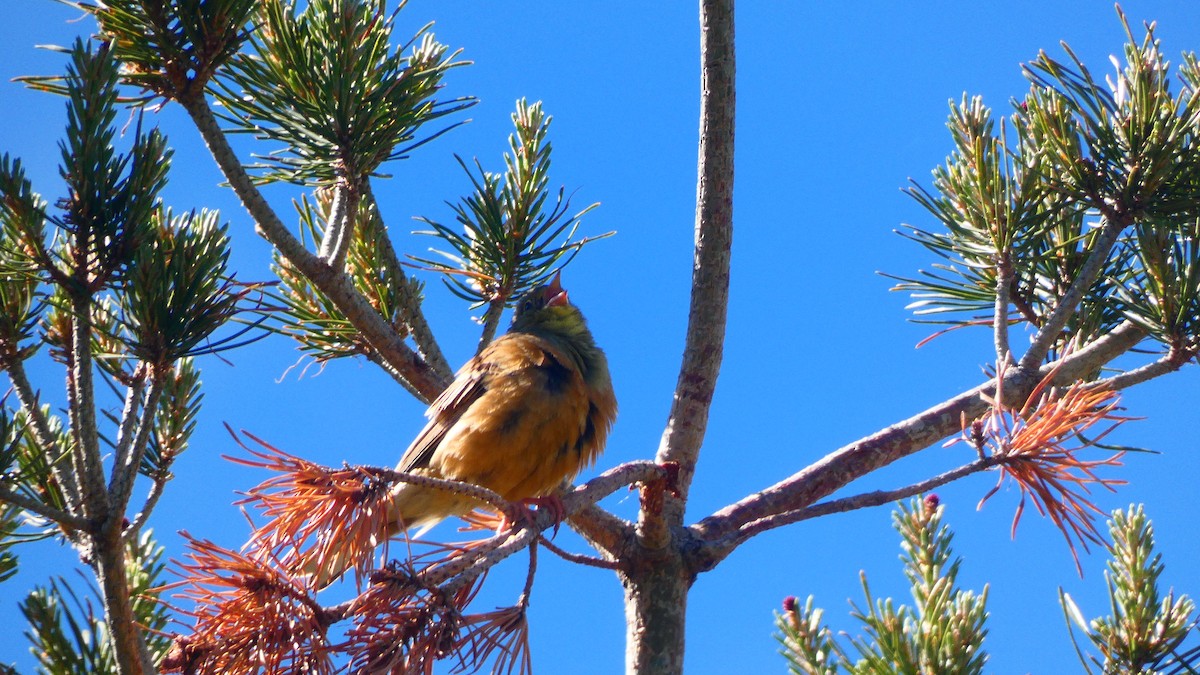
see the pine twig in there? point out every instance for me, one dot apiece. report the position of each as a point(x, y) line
point(414, 317)
point(157, 487)
point(408, 368)
point(131, 448)
point(907, 437)
point(85, 454)
point(44, 510)
point(343, 217)
point(1111, 228)
point(577, 558)
point(1169, 363)
point(1000, 315)
point(713, 552)
point(45, 438)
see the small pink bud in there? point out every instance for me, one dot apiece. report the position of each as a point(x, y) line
point(932, 501)
point(789, 604)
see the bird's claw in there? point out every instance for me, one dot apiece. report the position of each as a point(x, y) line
point(521, 511)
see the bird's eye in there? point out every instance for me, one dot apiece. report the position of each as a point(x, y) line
point(527, 305)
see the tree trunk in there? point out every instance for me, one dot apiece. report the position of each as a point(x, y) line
point(656, 591)
point(655, 574)
point(129, 651)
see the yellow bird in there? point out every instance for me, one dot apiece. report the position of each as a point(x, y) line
point(528, 412)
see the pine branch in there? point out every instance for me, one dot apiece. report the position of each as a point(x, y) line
point(906, 437)
point(1068, 303)
point(704, 343)
point(602, 530)
point(713, 552)
point(157, 486)
point(1004, 278)
point(343, 219)
point(130, 648)
point(1087, 360)
point(319, 513)
point(85, 451)
point(491, 321)
point(44, 437)
point(132, 448)
point(127, 430)
point(408, 368)
point(578, 558)
point(1169, 363)
point(418, 327)
point(44, 510)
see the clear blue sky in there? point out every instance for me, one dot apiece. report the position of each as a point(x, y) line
point(838, 105)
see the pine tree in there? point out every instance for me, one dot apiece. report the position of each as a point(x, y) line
point(1073, 215)
point(944, 631)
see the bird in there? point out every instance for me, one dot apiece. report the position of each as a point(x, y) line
point(531, 410)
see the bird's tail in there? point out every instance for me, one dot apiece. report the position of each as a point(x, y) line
point(410, 506)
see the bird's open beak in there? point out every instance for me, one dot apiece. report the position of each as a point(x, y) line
point(558, 296)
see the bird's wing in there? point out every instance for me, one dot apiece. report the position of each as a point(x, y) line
point(469, 384)
point(511, 364)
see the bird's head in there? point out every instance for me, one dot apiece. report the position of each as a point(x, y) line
point(546, 309)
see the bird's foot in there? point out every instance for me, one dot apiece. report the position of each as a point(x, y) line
point(553, 504)
point(521, 511)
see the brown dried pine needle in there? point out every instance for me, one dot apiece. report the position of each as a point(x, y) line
point(1038, 447)
point(248, 617)
point(315, 512)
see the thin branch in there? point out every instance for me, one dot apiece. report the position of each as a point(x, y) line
point(120, 487)
point(414, 317)
point(881, 497)
point(461, 571)
point(907, 437)
point(128, 429)
point(466, 568)
point(45, 510)
point(533, 564)
point(704, 343)
point(375, 357)
point(1087, 360)
point(714, 552)
point(157, 487)
point(578, 558)
point(339, 227)
point(81, 401)
point(855, 460)
point(414, 373)
point(476, 492)
point(1004, 276)
point(491, 321)
point(42, 434)
point(1111, 228)
point(1169, 363)
point(300, 481)
point(1022, 303)
point(629, 473)
point(602, 530)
